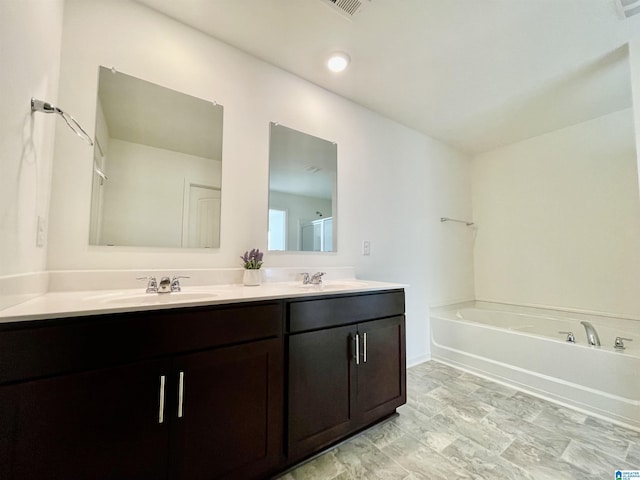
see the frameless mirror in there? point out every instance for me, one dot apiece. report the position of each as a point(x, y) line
point(302, 191)
point(157, 166)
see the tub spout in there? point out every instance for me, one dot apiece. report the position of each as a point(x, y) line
point(592, 335)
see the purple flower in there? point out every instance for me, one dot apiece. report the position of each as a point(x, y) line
point(252, 259)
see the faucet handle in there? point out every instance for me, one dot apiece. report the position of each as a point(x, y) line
point(152, 285)
point(618, 344)
point(305, 278)
point(571, 338)
point(316, 278)
point(175, 283)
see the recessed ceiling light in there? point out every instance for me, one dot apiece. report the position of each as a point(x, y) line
point(338, 61)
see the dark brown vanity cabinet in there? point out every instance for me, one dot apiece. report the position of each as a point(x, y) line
point(346, 366)
point(238, 391)
point(101, 424)
point(177, 394)
point(229, 423)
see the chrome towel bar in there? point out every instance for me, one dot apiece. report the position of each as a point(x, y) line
point(45, 107)
point(446, 219)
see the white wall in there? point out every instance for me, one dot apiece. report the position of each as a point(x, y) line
point(397, 193)
point(30, 39)
point(393, 183)
point(634, 64)
point(559, 219)
point(30, 65)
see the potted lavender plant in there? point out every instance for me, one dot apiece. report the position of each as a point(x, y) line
point(252, 263)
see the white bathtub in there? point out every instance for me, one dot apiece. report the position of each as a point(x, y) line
point(521, 346)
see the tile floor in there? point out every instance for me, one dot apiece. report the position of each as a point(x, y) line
point(459, 426)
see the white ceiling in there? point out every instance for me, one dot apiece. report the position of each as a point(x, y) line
point(475, 74)
point(142, 112)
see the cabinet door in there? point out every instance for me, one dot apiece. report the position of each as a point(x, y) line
point(381, 373)
point(95, 425)
point(227, 421)
point(320, 388)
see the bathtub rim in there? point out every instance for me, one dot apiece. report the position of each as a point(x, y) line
point(608, 321)
point(532, 308)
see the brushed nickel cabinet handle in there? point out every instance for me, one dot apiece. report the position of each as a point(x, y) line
point(161, 403)
point(181, 394)
point(364, 346)
point(357, 340)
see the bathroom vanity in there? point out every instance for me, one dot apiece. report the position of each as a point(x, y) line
point(346, 366)
point(234, 390)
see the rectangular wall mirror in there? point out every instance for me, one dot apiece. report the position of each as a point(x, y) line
point(157, 166)
point(302, 191)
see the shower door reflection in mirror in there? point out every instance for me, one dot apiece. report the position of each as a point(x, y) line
point(157, 166)
point(302, 191)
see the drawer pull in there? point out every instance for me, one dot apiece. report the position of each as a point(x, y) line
point(161, 403)
point(180, 394)
point(364, 347)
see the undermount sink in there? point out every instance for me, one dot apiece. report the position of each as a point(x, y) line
point(127, 298)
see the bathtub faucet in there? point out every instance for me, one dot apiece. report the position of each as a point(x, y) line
point(592, 335)
point(571, 338)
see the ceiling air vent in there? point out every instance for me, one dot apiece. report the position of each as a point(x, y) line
point(628, 8)
point(348, 8)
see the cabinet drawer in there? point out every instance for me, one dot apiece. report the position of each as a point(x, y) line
point(327, 312)
point(83, 343)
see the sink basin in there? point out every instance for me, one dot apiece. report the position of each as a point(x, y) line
point(128, 298)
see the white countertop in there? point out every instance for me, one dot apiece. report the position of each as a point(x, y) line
point(96, 302)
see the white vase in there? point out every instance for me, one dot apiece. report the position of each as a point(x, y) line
point(252, 277)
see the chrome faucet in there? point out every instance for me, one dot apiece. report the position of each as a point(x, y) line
point(571, 338)
point(618, 343)
point(152, 285)
point(175, 283)
point(592, 335)
point(165, 285)
point(315, 279)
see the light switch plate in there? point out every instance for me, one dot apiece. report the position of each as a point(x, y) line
point(366, 247)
